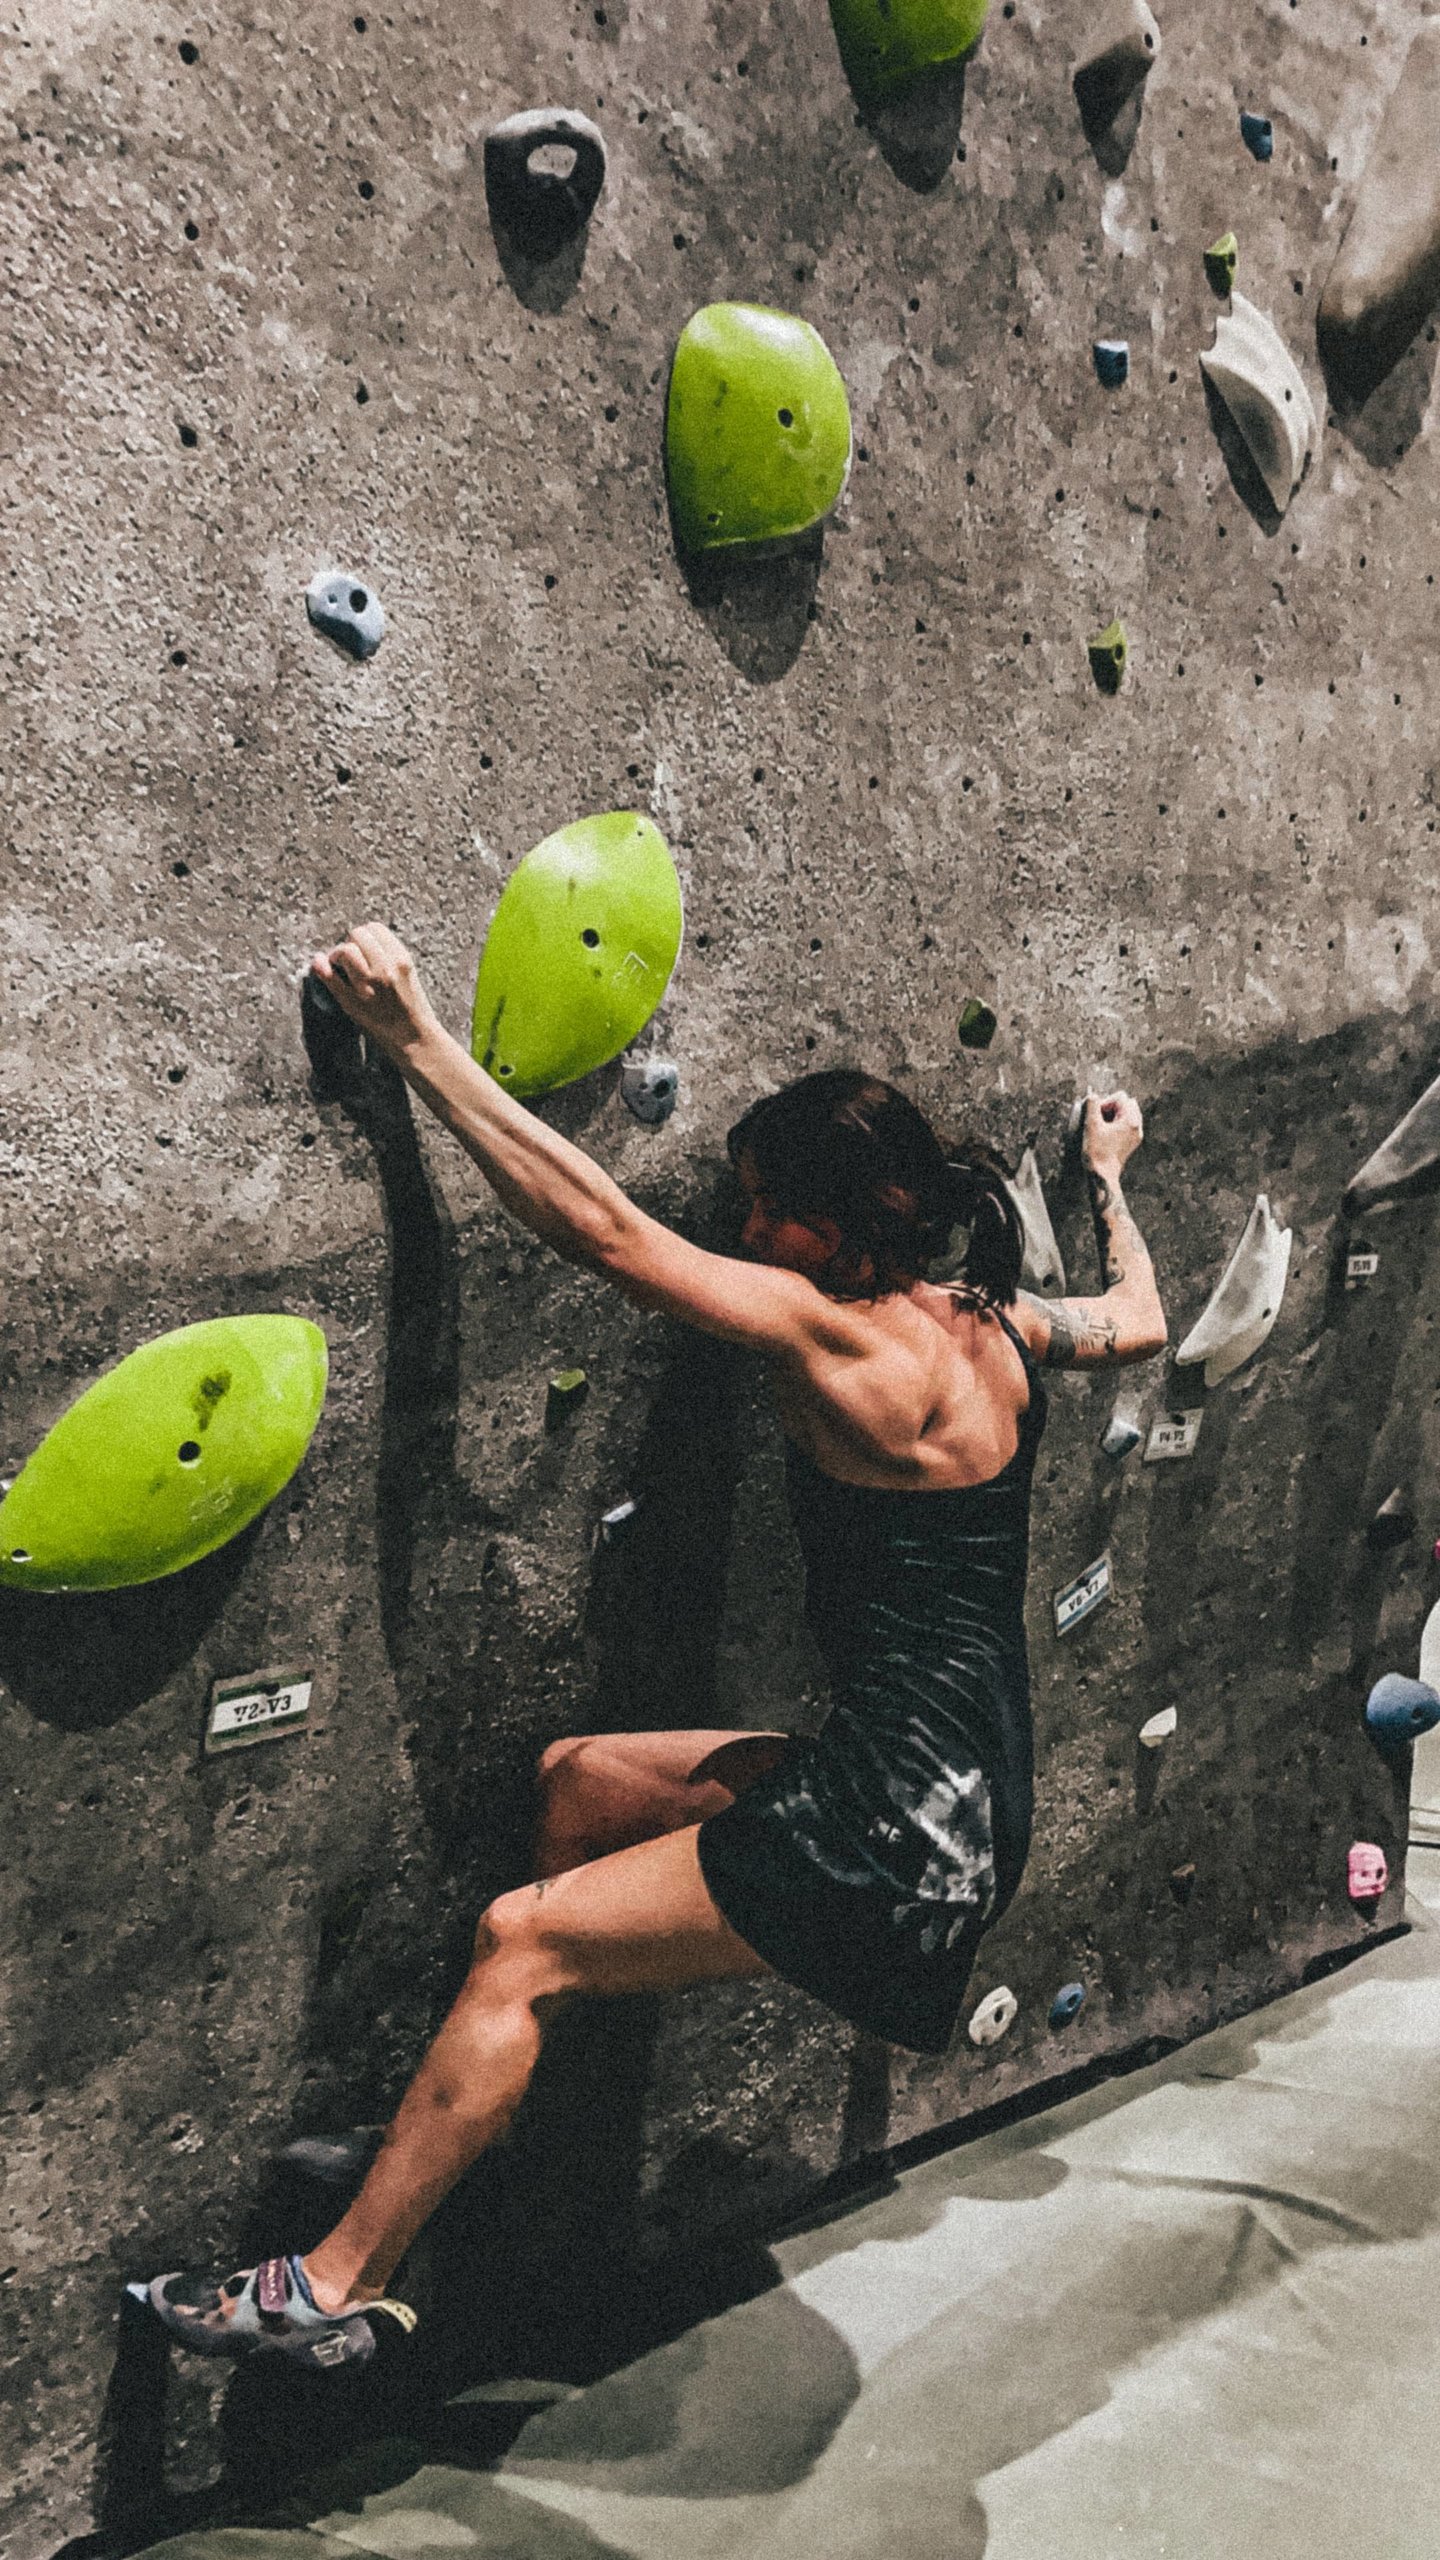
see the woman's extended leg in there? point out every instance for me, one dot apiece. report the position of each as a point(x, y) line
point(639, 1919)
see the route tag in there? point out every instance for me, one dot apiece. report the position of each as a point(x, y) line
point(1078, 1598)
point(262, 1707)
point(1360, 1266)
point(1173, 1435)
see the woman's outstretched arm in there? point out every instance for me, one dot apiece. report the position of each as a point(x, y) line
point(557, 1190)
point(1128, 1322)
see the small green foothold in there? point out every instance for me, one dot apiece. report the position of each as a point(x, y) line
point(885, 44)
point(1108, 652)
point(977, 1025)
point(1221, 260)
point(567, 1392)
point(757, 428)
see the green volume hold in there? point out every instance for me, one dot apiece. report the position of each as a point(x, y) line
point(165, 1457)
point(885, 44)
point(579, 952)
point(757, 428)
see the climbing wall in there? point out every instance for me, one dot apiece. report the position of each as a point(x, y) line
point(261, 326)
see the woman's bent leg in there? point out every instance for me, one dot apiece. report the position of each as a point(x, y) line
point(640, 1919)
point(599, 1792)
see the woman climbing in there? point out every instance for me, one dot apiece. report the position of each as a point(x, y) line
point(865, 1863)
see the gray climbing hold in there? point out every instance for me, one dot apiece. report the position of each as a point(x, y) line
point(1109, 80)
point(1112, 361)
point(1394, 1522)
point(336, 2160)
point(614, 1523)
point(344, 609)
point(1385, 281)
point(650, 1087)
point(1041, 1267)
point(543, 206)
point(1258, 135)
point(1253, 372)
point(1408, 1160)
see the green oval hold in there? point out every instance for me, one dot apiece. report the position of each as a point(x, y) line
point(757, 428)
point(579, 952)
point(166, 1456)
point(885, 44)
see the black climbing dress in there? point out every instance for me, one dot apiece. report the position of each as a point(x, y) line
point(867, 1864)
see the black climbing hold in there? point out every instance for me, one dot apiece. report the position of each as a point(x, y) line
point(1258, 135)
point(540, 207)
point(332, 1040)
point(977, 1024)
point(1394, 1522)
point(1112, 361)
point(344, 609)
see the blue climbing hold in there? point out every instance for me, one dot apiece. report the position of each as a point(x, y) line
point(1398, 1709)
point(1258, 135)
point(1067, 2004)
point(1112, 361)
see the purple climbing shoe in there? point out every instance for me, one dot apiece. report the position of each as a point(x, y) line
point(269, 2306)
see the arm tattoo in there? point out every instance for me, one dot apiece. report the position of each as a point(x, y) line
point(1114, 1227)
point(1076, 1331)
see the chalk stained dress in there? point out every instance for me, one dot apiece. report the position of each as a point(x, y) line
point(867, 1864)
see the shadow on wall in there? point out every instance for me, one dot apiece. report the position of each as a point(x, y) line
point(757, 606)
point(918, 133)
point(81, 1660)
point(1385, 426)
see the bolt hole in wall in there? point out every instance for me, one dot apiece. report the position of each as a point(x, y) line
point(188, 1453)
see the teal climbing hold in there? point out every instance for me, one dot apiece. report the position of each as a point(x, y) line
point(579, 952)
point(887, 44)
point(165, 1457)
point(757, 428)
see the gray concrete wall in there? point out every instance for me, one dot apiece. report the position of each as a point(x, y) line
point(888, 785)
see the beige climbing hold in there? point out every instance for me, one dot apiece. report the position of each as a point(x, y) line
point(1041, 1267)
point(1385, 281)
point(1109, 79)
point(1245, 1303)
point(1406, 1161)
point(1159, 1728)
point(1262, 387)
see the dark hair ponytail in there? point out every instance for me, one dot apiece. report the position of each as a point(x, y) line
point(982, 1201)
point(852, 1149)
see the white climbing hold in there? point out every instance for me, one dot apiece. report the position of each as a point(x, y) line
point(1041, 1267)
point(1404, 1161)
point(1159, 1728)
point(346, 610)
point(1430, 1649)
point(1109, 79)
point(1122, 1432)
point(997, 2011)
point(650, 1087)
point(1264, 390)
point(1244, 1305)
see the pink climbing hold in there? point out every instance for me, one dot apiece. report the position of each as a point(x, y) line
point(1368, 1872)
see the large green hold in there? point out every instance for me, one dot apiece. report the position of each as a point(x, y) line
point(757, 428)
point(885, 44)
point(165, 1457)
point(579, 952)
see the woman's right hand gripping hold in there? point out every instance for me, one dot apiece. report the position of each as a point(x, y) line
point(1128, 1321)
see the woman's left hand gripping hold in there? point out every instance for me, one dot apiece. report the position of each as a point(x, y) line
point(373, 977)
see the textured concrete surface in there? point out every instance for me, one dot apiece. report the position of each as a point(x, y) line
point(259, 325)
point(1147, 2322)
